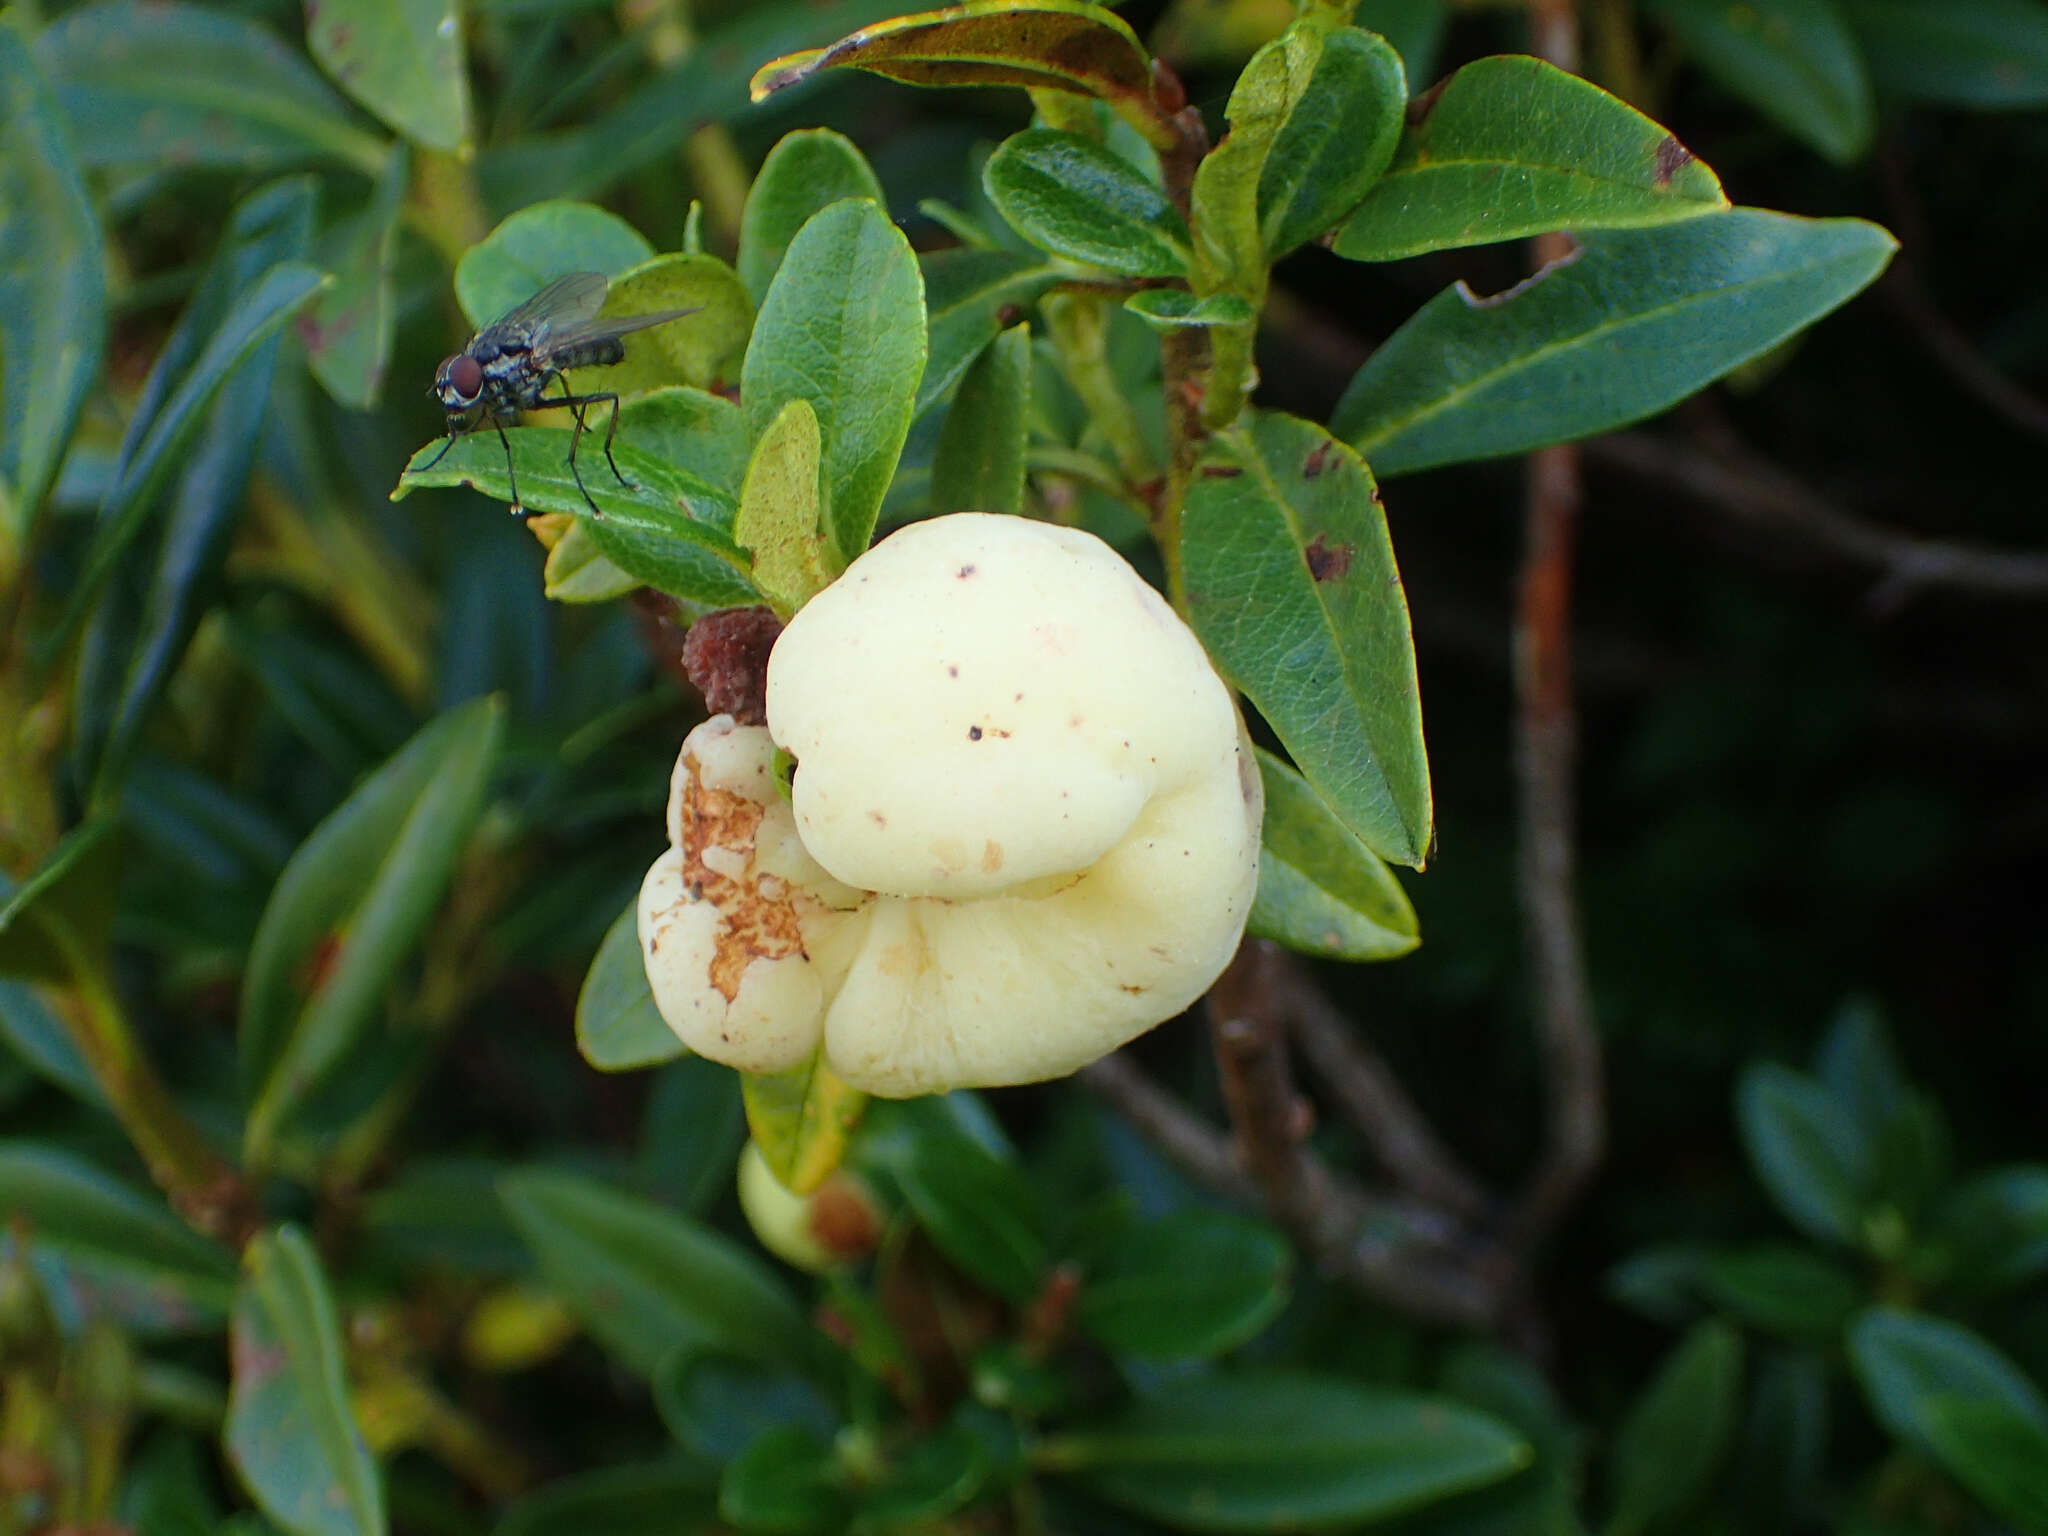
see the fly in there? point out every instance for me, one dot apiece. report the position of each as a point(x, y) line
point(508, 365)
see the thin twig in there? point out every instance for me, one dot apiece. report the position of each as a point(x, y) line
point(1407, 1145)
point(1405, 1254)
point(1203, 1152)
point(1248, 1029)
point(1545, 752)
point(1751, 489)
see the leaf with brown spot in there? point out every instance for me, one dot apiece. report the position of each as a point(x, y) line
point(1060, 45)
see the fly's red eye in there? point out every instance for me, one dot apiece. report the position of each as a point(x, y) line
point(467, 375)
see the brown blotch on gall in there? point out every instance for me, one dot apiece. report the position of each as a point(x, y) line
point(966, 571)
point(1672, 157)
point(1327, 562)
point(878, 818)
point(974, 733)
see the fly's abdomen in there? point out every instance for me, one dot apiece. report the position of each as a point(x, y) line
point(598, 352)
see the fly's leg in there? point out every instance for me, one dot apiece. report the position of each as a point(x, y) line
point(577, 405)
point(437, 458)
point(511, 474)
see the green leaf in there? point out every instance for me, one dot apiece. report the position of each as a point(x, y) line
point(38, 1037)
point(1511, 146)
point(646, 1281)
point(350, 907)
point(1857, 1063)
point(400, 58)
point(134, 647)
point(676, 1497)
point(120, 1247)
point(691, 1133)
point(577, 571)
point(785, 1483)
point(1790, 1291)
point(1634, 322)
point(443, 1213)
point(1987, 54)
point(291, 1432)
point(804, 173)
point(618, 1028)
point(976, 1206)
point(716, 1404)
point(537, 245)
point(1807, 1152)
point(1285, 1450)
point(778, 522)
point(665, 528)
point(1677, 1432)
point(1795, 61)
point(702, 433)
point(843, 327)
point(53, 287)
point(645, 126)
point(936, 1477)
point(972, 296)
point(1906, 1362)
point(1169, 309)
point(153, 83)
point(1061, 45)
point(801, 1120)
point(1190, 1285)
point(1995, 1228)
point(1999, 1455)
point(58, 921)
point(1291, 585)
point(1416, 29)
point(348, 335)
point(1337, 139)
point(978, 464)
point(1077, 198)
point(703, 349)
point(158, 448)
point(1321, 890)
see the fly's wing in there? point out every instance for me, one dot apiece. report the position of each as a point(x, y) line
point(562, 338)
point(567, 301)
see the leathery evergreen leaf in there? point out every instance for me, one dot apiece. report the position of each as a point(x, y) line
point(666, 528)
point(1632, 323)
point(1986, 54)
point(843, 327)
point(1267, 1450)
point(350, 907)
point(646, 1281)
point(778, 518)
point(1064, 45)
point(1511, 146)
point(1292, 586)
point(291, 1430)
point(120, 1245)
point(805, 172)
point(1321, 890)
point(149, 83)
point(400, 58)
point(618, 1028)
point(801, 1120)
point(1907, 1363)
point(1076, 197)
point(971, 296)
point(1795, 61)
point(259, 314)
point(1678, 1430)
point(535, 246)
point(53, 293)
point(978, 465)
